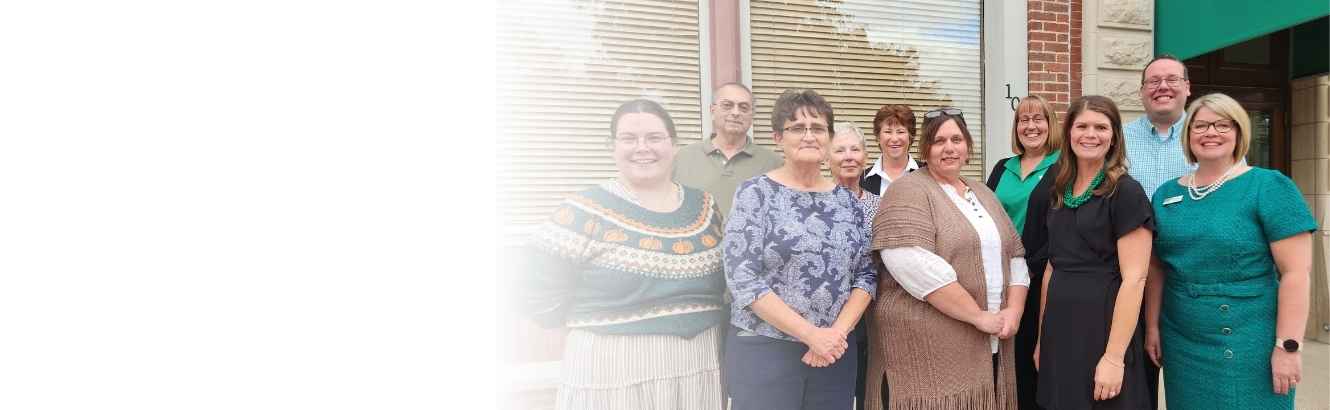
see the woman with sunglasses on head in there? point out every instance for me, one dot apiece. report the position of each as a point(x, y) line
point(1228, 288)
point(797, 263)
point(1099, 231)
point(1020, 184)
point(941, 330)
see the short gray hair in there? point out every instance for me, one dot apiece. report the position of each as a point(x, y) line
point(850, 128)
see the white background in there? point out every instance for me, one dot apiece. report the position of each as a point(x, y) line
point(247, 204)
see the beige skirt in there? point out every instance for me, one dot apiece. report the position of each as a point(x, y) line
point(616, 372)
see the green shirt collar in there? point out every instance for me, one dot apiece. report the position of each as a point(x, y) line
point(1013, 165)
point(747, 149)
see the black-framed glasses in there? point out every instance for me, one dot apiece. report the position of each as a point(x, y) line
point(1221, 126)
point(954, 112)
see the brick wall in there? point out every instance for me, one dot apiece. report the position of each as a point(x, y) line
point(1055, 50)
point(1076, 48)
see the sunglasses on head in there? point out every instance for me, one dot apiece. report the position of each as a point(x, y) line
point(954, 112)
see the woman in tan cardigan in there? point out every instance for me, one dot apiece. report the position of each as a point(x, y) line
point(960, 283)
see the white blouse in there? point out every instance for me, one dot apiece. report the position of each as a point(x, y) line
point(921, 272)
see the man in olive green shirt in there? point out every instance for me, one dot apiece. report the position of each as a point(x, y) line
point(720, 163)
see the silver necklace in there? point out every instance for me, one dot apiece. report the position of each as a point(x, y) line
point(1198, 194)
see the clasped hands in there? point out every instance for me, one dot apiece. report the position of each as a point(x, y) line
point(826, 345)
point(1002, 324)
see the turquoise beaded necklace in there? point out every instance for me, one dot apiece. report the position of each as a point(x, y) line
point(1075, 201)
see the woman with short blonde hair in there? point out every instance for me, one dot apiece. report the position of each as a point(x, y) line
point(1228, 289)
point(848, 156)
point(1228, 108)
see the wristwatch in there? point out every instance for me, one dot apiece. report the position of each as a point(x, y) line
point(1288, 345)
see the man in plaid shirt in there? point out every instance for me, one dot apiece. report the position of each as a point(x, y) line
point(1154, 147)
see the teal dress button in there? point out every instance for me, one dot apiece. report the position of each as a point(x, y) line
point(1226, 331)
point(1228, 353)
point(1223, 308)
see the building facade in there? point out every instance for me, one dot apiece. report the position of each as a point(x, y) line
point(564, 65)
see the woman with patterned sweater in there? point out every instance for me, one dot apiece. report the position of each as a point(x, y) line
point(633, 268)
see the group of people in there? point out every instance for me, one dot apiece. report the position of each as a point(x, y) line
point(722, 275)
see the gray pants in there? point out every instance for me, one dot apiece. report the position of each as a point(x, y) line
point(762, 373)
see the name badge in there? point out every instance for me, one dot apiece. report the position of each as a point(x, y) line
point(1172, 200)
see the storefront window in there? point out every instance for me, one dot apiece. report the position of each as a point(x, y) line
point(863, 54)
point(1258, 154)
point(563, 68)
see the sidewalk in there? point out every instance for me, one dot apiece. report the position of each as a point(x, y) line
point(533, 385)
point(1315, 390)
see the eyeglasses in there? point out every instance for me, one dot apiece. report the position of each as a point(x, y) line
point(1198, 127)
point(954, 112)
point(1172, 81)
point(632, 140)
point(1032, 118)
point(801, 131)
point(727, 105)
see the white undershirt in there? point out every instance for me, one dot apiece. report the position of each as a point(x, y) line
point(910, 165)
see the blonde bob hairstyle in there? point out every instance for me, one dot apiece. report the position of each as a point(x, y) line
point(1054, 140)
point(1227, 108)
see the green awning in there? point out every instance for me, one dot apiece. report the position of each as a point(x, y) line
point(1189, 28)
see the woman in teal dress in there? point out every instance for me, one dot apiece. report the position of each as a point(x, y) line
point(1228, 289)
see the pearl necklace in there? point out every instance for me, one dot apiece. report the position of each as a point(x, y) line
point(1198, 194)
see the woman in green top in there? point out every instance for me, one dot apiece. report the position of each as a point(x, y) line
point(1019, 184)
point(1228, 290)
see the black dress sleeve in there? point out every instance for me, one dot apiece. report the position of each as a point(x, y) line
point(1035, 234)
point(996, 174)
point(1129, 208)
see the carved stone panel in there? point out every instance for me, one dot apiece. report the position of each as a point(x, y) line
point(1123, 90)
point(1136, 14)
point(1124, 52)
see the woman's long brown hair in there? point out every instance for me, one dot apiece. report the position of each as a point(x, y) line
point(1115, 162)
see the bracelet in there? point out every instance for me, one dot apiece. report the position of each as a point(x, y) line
point(1119, 365)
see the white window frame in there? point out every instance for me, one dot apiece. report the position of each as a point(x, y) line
point(1006, 62)
point(704, 34)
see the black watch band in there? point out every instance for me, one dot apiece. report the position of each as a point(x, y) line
point(1288, 345)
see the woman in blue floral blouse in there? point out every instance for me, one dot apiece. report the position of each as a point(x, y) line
point(796, 261)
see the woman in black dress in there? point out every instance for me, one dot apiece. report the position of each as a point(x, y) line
point(1099, 238)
